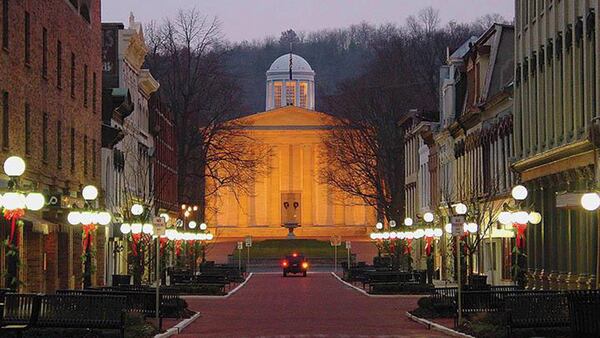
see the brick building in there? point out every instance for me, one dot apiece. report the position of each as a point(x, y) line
point(162, 124)
point(50, 89)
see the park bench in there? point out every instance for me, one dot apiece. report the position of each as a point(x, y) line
point(379, 281)
point(359, 274)
point(2, 293)
point(217, 280)
point(537, 310)
point(85, 312)
point(140, 302)
point(19, 312)
point(233, 274)
point(584, 311)
point(25, 311)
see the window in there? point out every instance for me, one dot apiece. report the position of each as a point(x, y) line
point(290, 93)
point(303, 94)
point(278, 90)
point(27, 129)
point(85, 85)
point(94, 158)
point(5, 120)
point(72, 75)
point(45, 138)
point(59, 144)
point(85, 153)
point(45, 53)
point(5, 24)
point(84, 11)
point(58, 64)
point(27, 38)
point(94, 89)
point(72, 150)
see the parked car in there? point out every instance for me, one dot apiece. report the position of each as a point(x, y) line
point(294, 263)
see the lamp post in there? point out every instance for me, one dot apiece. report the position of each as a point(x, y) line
point(518, 216)
point(14, 203)
point(137, 229)
point(188, 212)
point(88, 218)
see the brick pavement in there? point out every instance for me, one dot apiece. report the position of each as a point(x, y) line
point(315, 306)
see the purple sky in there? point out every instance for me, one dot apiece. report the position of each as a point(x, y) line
point(255, 19)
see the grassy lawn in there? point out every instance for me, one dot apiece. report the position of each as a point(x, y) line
point(278, 248)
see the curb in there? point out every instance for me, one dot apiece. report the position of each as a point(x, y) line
point(179, 327)
point(225, 296)
point(437, 327)
point(370, 295)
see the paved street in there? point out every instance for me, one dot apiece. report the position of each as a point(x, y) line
point(317, 306)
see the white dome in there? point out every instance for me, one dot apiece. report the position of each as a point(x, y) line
point(282, 64)
point(297, 90)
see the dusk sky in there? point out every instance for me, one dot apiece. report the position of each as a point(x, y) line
point(255, 19)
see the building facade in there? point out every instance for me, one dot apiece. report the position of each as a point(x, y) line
point(128, 143)
point(290, 190)
point(465, 157)
point(557, 88)
point(482, 133)
point(50, 88)
point(162, 123)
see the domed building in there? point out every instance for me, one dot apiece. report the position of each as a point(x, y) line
point(290, 191)
point(290, 83)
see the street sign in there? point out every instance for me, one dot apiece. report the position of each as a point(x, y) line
point(335, 240)
point(160, 226)
point(457, 225)
point(240, 245)
point(248, 241)
point(348, 245)
point(158, 221)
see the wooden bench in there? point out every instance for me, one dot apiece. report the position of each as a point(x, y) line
point(584, 311)
point(386, 280)
point(25, 311)
point(538, 310)
point(212, 279)
point(19, 312)
point(87, 312)
point(141, 302)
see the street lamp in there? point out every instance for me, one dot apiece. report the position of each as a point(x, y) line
point(519, 217)
point(590, 201)
point(519, 193)
point(14, 203)
point(88, 218)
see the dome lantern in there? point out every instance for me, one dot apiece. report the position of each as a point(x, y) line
point(297, 89)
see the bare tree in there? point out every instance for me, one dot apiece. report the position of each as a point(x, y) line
point(187, 57)
point(366, 154)
point(486, 21)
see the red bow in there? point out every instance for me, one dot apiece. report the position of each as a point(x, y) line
point(178, 248)
point(134, 242)
point(520, 234)
point(13, 216)
point(428, 245)
point(408, 248)
point(163, 244)
point(88, 229)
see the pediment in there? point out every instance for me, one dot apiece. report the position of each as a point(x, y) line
point(287, 117)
